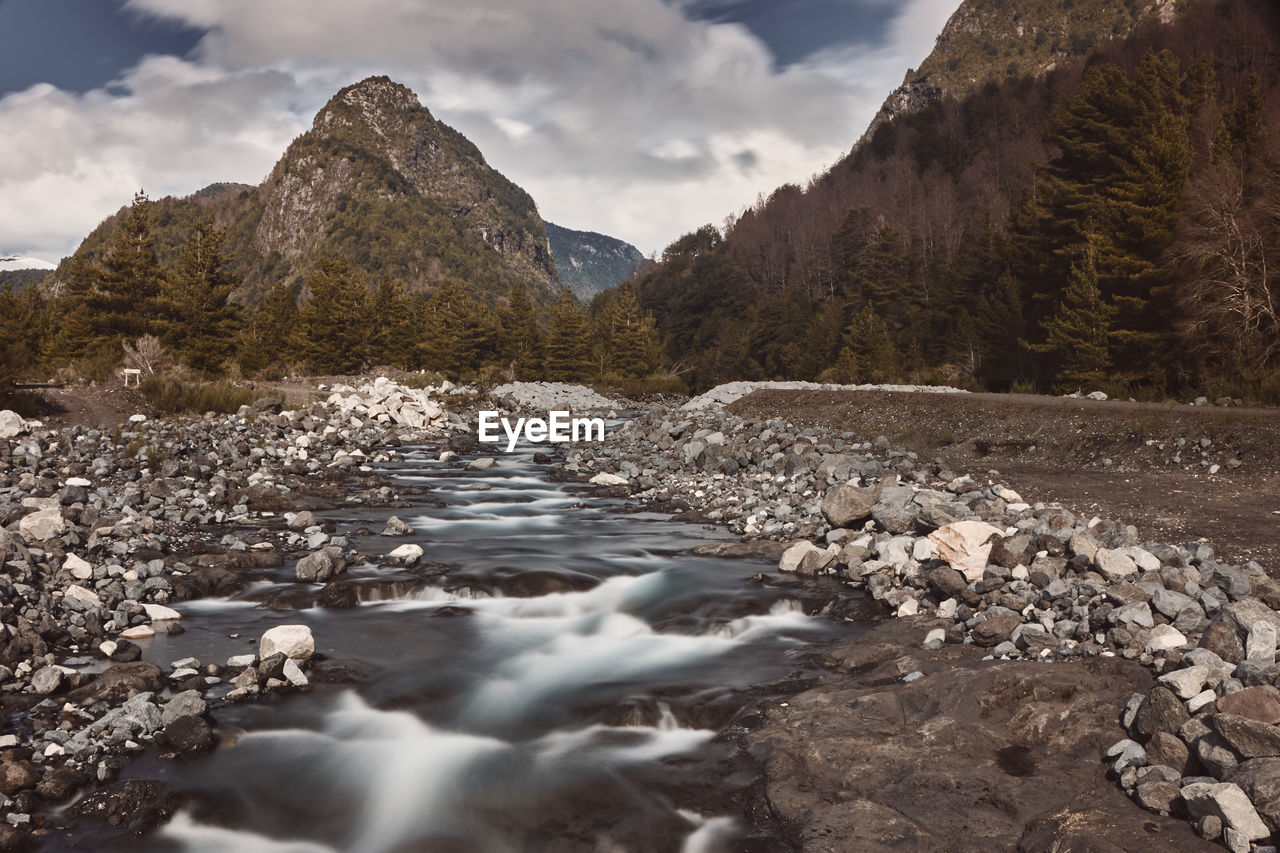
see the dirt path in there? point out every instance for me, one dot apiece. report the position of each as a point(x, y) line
point(1148, 464)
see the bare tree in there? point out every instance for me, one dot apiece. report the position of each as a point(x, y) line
point(146, 354)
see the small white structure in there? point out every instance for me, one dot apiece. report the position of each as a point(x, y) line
point(131, 373)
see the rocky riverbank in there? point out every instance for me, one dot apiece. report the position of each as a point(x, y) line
point(105, 533)
point(975, 566)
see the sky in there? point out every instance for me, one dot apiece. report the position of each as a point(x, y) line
point(642, 119)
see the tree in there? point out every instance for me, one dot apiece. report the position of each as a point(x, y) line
point(125, 303)
point(568, 351)
point(459, 335)
point(1077, 335)
point(634, 341)
point(392, 332)
point(332, 323)
point(22, 324)
point(270, 338)
point(868, 353)
point(202, 324)
point(522, 341)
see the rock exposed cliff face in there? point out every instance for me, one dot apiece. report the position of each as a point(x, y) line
point(989, 40)
point(589, 263)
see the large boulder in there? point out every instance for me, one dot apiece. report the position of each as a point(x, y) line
point(1250, 738)
point(966, 545)
point(1161, 711)
point(135, 805)
point(11, 424)
point(846, 504)
point(1227, 802)
point(120, 682)
point(1261, 703)
point(321, 566)
point(295, 641)
point(1259, 778)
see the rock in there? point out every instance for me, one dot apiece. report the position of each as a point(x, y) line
point(11, 424)
point(320, 566)
point(1222, 639)
point(1249, 612)
point(1160, 712)
point(294, 674)
point(1169, 602)
point(303, 520)
point(606, 479)
point(1261, 644)
point(1165, 637)
point(118, 683)
point(995, 630)
point(1167, 749)
point(135, 805)
point(60, 784)
point(794, 556)
point(846, 505)
point(138, 632)
point(189, 734)
point(1113, 565)
point(1259, 778)
point(188, 703)
point(17, 775)
point(1250, 738)
point(966, 545)
point(1011, 551)
point(43, 525)
point(295, 641)
point(409, 553)
point(396, 527)
point(482, 464)
point(1186, 682)
point(1227, 802)
point(160, 613)
point(80, 569)
point(947, 581)
point(46, 680)
point(1157, 795)
point(1261, 703)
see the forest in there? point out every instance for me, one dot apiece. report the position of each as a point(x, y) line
point(1113, 225)
point(178, 319)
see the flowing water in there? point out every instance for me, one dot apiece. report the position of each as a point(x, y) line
point(547, 692)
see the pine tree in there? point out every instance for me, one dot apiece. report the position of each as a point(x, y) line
point(459, 335)
point(868, 353)
point(392, 334)
point(568, 353)
point(1077, 335)
point(270, 338)
point(522, 342)
point(633, 339)
point(883, 276)
point(70, 302)
point(332, 323)
point(125, 303)
point(22, 327)
point(202, 323)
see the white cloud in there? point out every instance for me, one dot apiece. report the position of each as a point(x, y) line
point(627, 117)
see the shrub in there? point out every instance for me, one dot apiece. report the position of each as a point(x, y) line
point(172, 396)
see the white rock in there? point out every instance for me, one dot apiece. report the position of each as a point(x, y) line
point(1261, 645)
point(481, 464)
point(910, 607)
point(78, 481)
point(295, 641)
point(606, 479)
point(1165, 637)
point(937, 635)
point(966, 545)
point(409, 553)
point(80, 568)
point(108, 647)
point(1228, 802)
point(241, 661)
point(1097, 395)
point(8, 741)
point(81, 594)
point(43, 525)
point(923, 550)
point(137, 419)
point(160, 613)
point(138, 632)
point(447, 455)
point(1113, 565)
point(1186, 682)
point(294, 674)
point(947, 609)
point(1201, 699)
point(11, 424)
point(792, 557)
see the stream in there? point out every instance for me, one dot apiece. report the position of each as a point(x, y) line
point(559, 688)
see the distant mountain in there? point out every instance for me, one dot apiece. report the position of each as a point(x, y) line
point(9, 263)
point(589, 263)
point(380, 180)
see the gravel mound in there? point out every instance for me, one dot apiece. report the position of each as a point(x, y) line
point(723, 395)
point(545, 396)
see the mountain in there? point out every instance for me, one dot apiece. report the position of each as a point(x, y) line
point(382, 181)
point(10, 263)
point(990, 41)
point(1107, 223)
point(589, 263)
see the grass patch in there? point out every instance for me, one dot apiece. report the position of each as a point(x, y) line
point(174, 397)
point(645, 386)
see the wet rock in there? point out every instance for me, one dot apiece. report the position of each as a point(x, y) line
point(339, 594)
point(396, 527)
point(136, 805)
point(119, 683)
point(60, 784)
point(320, 566)
point(16, 775)
point(189, 734)
point(185, 704)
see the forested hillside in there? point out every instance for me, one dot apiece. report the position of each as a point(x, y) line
point(1110, 224)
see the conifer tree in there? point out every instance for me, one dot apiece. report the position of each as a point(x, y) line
point(125, 303)
point(270, 337)
point(392, 334)
point(458, 334)
point(202, 323)
point(22, 327)
point(522, 342)
point(633, 339)
point(883, 276)
point(332, 322)
point(1077, 335)
point(868, 353)
point(70, 303)
point(568, 353)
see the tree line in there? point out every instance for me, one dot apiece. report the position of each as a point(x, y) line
point(1113, 225)
point(337, 322)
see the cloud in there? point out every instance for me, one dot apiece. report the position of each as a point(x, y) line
point(629, 118)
